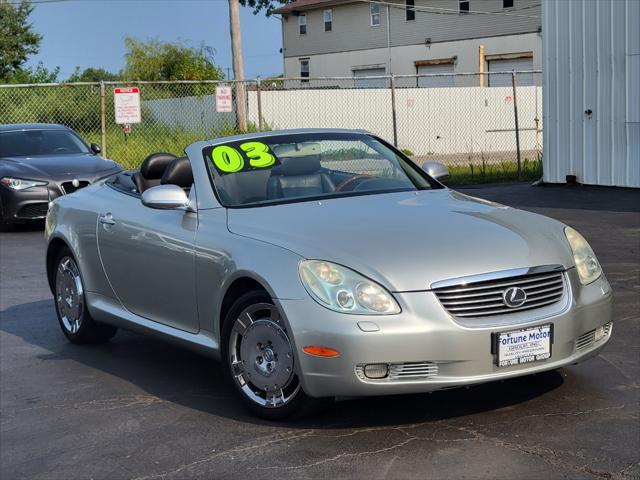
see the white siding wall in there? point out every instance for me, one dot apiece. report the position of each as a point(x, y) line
point(403, 58)
point(591, 61)
point(352, 30)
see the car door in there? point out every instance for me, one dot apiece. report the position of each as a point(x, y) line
point(148, 256)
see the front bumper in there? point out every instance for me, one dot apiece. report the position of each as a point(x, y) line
point(33, 203)
point(425, 333)
point(25, 205)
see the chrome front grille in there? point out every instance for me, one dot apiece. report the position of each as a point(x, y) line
point(484, 295)
point(403, 371)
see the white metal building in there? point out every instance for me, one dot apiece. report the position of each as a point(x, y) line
point(591, 91)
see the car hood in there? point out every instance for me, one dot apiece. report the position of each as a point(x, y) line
point(52, 166)
point(408, 240)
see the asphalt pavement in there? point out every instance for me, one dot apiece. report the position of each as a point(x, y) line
point(139, 408)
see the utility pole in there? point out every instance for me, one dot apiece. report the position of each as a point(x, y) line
point(389, 72)
point(238, 68)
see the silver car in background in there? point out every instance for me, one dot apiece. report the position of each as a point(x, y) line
point(323, 263)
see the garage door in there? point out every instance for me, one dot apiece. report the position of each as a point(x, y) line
point(444, 81)
point(361, 82)
point(517, 64)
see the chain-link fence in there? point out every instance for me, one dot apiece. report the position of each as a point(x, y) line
point(481, 132)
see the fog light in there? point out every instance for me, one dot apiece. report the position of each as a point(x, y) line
point(599, 333)
point(376, 370)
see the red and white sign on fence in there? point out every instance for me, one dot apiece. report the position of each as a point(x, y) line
point(127, 105)
point(224, 99)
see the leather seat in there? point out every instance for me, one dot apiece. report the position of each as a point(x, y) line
point(179, 173)
point(151, 170)
point(298, 177)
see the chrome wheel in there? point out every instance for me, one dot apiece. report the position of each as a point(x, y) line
point(69, 294)
point(261, 357)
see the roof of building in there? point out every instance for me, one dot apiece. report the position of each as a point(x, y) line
point(301, 5)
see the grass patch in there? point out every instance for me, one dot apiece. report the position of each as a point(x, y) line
point(130, 149)
point(531, 170)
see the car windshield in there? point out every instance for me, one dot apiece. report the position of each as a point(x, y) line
point(305, 166)
point(27, 143)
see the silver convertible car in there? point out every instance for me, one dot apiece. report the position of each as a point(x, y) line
point(323, 263)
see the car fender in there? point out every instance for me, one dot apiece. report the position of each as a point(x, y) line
point(222, 258)
point(72, 219)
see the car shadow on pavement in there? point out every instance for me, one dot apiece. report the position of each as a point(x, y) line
point(172, 374)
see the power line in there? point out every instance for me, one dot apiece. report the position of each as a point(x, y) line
point(449, 11)
point(420, 8)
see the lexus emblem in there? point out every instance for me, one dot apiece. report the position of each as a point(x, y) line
point(514, 297)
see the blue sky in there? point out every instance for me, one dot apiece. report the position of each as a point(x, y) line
point(91, 32)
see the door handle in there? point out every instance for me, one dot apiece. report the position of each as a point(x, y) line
point(106, 219)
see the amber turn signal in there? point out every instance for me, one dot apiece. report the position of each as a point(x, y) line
point(321, 351)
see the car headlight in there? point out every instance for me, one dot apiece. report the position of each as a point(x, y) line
point(343, 290)
point(20, 183)
point(587, 264)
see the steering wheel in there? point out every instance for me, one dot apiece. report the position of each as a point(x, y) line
point(60, 149)
point(379, 184)
point(349, 182)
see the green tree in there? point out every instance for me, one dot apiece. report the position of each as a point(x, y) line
point(17, 38)
point(93, 74)
point(267, 5)
point(156, 60)
point(37, 74)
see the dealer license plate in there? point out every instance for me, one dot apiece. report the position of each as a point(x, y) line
point(524, 346)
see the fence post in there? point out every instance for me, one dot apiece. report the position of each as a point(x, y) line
point(515, 114)
point(103, 126)
point(258, 90)
point(393, 111)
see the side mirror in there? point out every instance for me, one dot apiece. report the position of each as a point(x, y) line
point(165, 197)
point(436, 170)
point(95, 148)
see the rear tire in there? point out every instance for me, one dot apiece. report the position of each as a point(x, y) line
point(71, 307)
point(259, 360)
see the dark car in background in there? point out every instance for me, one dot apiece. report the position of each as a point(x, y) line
point(40, 162)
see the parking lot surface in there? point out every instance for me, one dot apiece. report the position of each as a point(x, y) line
point(139, 408)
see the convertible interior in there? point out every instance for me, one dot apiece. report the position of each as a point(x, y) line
point(157, 169)
point(305, 172)
point(299, 174)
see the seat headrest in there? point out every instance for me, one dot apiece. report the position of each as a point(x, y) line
point(154, 165)
point(178, 173)
point(294, 166)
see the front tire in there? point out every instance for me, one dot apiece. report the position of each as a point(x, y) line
point(71, 307)
point(259, 360)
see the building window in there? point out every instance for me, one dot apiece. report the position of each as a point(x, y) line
point(328, 20)
point(375, 14)
point(410, 12)
point(464, 6)
point(304, 69)
point(507, 3)
point(302, 23)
